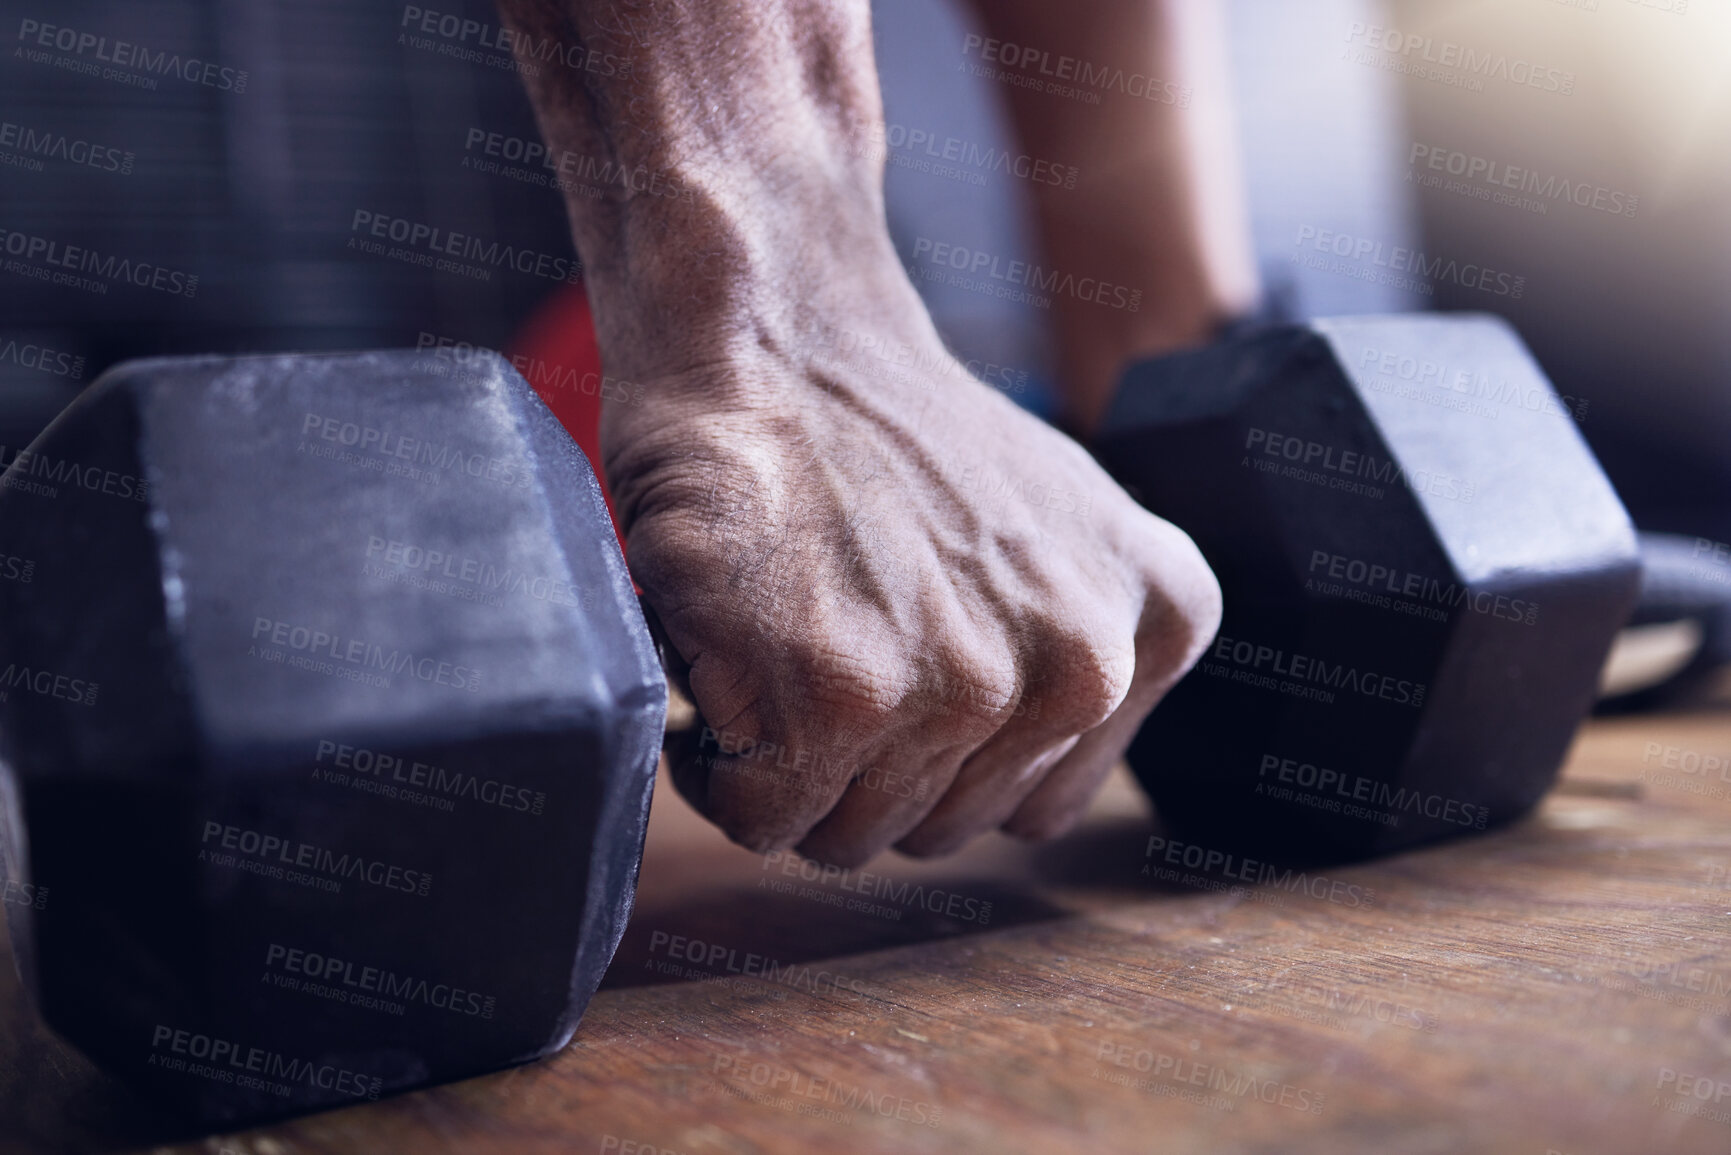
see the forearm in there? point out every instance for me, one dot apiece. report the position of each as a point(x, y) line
point(831, 520)
point(746, 117)
point(1157, 205)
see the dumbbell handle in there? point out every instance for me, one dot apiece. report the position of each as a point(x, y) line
point(682, 716)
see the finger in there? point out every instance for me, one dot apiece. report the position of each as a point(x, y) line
point(688, 767)
point(960, 718)
point(1171, 638)
point(988, 789)
point(694, 752)
point(783, 762)
point(1078, 676)
point(882, 804)
point(769, 759)
point(1060, 798)
point(756, 788)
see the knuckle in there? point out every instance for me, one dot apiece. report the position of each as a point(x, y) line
point(856, 694)
point(1044, 823)
point(760, 814)
point(1183, 609)
point(1174, 635)
point(1086, 677)
point(667, 554)
point(968, 698)
point(923, 843)
point(664, 470)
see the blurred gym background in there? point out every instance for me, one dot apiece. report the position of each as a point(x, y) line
point(346, 109)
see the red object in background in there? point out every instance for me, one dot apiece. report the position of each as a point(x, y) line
point(557, 352)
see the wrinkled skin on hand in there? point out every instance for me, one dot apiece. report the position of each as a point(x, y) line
point(912, 612)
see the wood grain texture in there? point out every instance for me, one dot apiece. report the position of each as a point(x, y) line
point(1525, 991)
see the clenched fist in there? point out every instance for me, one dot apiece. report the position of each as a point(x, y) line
point(911, 611)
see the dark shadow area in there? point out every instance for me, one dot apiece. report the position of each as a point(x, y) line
point(1107, 856)
point(51, 1097)
point(749, 930)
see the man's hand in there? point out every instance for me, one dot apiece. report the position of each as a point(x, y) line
point(912, 611)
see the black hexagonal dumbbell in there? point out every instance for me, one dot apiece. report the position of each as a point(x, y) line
point(328, 722)
point(1423, 568)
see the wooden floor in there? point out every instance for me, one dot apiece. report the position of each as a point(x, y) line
point(1560, 986)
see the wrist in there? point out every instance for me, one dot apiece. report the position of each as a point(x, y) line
point(777, 223)
point(743, 263)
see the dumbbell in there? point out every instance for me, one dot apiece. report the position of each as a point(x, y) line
point(1423, 568)
point(330, 720)
point(328, 725)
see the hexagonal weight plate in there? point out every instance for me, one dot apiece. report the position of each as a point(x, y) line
point(329, 728)
point(1423, 568)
